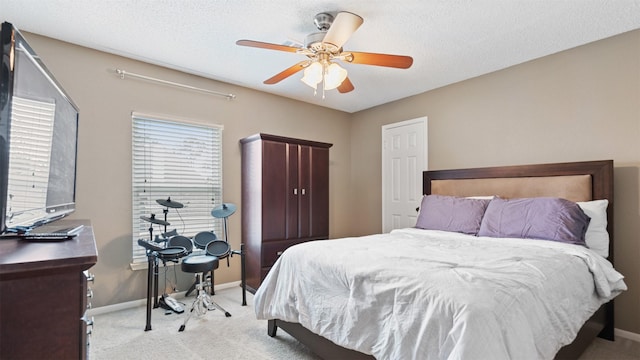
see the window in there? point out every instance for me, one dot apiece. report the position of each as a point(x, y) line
point(178, 161)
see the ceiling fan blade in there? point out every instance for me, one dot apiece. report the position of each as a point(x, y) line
point(346, 86)
point(388, 60)
point(287, 72)
point(343, 26)
point(264, 45)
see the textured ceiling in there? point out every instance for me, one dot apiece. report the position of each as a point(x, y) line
point(450, 40)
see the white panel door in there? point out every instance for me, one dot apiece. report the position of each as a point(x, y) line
point(404, 158)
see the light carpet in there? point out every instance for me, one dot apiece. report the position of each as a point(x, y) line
point(121, 335)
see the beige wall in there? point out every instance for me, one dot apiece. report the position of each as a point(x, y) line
point(104, 152)
point(581, 104)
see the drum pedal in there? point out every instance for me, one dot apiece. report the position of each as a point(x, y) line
point(169, 303)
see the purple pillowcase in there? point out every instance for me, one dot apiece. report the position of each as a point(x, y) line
point(535, 218)
point(449, 213)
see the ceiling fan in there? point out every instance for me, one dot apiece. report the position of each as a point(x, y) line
point(323, 48)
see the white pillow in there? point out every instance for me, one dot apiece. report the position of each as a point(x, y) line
point(597, 237)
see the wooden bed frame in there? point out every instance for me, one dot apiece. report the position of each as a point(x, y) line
point(522, 181)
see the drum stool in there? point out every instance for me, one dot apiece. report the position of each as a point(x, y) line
point(198, 264)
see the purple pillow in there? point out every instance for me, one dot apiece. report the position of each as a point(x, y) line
point(449, 213)
point(535, 218)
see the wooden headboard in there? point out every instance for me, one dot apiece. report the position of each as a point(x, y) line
point(575, 181)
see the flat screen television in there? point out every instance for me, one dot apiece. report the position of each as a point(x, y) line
point(38, 139)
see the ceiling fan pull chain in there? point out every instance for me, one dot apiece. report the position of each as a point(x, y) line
point(325, 72)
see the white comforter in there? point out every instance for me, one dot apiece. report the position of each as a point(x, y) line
point(418, 294)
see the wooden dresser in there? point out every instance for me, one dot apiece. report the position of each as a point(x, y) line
point(285, 198)
point(44, 294)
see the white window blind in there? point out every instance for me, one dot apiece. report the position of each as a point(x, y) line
point(180, 161)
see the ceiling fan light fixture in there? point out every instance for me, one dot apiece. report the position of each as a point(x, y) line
point(331, 75)
point(313, 74)
point(334, 76)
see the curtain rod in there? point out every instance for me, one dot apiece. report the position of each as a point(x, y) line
point(124, 73)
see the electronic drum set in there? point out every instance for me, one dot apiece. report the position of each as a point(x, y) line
point(172, 247)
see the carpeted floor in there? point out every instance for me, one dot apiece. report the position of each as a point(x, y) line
point(121, 335)
point(621, 349)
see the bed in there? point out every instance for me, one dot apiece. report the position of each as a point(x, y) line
point(422, 294)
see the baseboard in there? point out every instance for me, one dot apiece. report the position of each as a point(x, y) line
point(627, 335)
point(141, 302)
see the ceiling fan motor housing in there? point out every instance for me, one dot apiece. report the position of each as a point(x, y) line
point(314, 41)
point(323, 21)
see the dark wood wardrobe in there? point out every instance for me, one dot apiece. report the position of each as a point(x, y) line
point(285, 198)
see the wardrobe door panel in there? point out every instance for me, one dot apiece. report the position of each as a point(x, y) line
point(304, 197)
point(293, 191)
point(274, 190)
point(319, 193)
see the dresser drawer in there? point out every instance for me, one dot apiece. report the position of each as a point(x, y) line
point(271, 250)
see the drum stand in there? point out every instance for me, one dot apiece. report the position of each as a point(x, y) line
point(152, 275)
point(154, 252)
point(152, 267)
point(243, 282)
point(152, 263)
point(224, 211)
